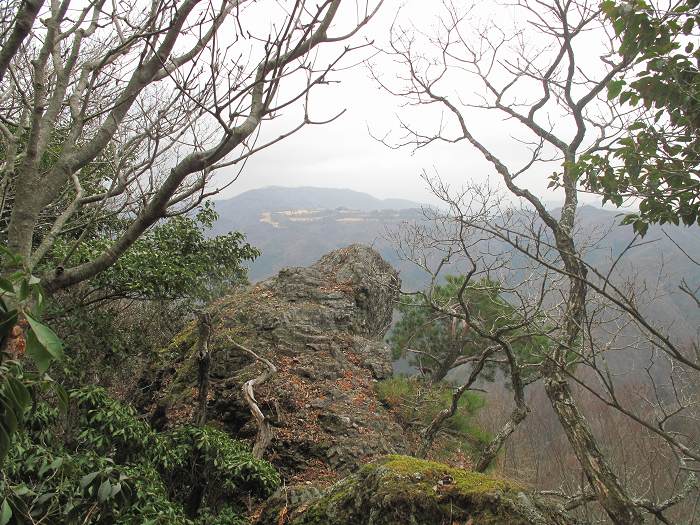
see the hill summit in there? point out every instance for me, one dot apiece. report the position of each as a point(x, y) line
point(296, 226)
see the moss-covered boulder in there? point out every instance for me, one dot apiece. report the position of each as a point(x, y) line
point(401, 490)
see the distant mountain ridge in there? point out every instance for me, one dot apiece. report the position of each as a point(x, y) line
point(281, 198)
point(296, 226)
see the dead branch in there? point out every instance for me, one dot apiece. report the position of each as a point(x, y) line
point(265, 434)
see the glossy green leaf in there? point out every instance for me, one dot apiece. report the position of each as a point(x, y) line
point(105, 490)
point(38, 352)
point(23, 290)
point(614, 88)
point(6, 286)
point(46, 337)
point(20, 391)
point(5, 512)
point(87, 479)
point(9, 417)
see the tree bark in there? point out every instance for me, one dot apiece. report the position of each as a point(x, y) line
point(204, 363)
point(446, 364)
point(24, 21)
point(491, 451)
point(265, 434)
point(604, 482)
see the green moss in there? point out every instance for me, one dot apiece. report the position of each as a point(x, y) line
point(182, 341)
point(465, 481)
point(401, 490)
point(334, 504)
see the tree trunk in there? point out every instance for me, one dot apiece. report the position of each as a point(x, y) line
point(491, 451)
point(604, 482)
point(204, 363)
point(264, 436)
point(23, 219)
point(447, 363)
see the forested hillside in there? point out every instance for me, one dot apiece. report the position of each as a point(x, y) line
point(296, 226)
point(170, 354)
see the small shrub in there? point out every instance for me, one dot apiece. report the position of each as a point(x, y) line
point(110, 427)
point(111, 467)
point(416, 403)
point(221, 469)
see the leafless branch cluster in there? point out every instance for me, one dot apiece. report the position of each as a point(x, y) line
point(127, 108)
point(540, 76)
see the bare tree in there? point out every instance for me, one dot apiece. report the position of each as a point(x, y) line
point(126, 109)
point(453, 235)
point(540, 77)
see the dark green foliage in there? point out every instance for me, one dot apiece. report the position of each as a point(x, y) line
point(113, 341)
point(14, 402)
point(658, 160)
point(111, 428)
point(416, 403)
point(114, 322)
point(224, 468)
point(51, 479)
point(174, 260)
point(107, 463)
point(21, 305)
point(434, 333)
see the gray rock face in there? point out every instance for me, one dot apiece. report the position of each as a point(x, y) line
point(321, 326)
point(352, 290)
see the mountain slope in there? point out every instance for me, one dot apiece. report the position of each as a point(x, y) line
point(296, 226)
point(247, 205)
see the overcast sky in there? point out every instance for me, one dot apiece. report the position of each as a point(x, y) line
point(343, 154)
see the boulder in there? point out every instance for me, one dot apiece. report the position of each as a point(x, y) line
point(322, 327)
point(401, 490)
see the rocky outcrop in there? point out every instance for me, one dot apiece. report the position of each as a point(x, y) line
point(400, 490)
point(321, 326)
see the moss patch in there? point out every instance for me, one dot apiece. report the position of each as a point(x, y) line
point(465, 481)
point(401, 490)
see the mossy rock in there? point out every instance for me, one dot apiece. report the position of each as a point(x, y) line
point(401, 490)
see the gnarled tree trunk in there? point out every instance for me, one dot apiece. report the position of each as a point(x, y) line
point(264, 436)
point(203, 365)
point(605, 484)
